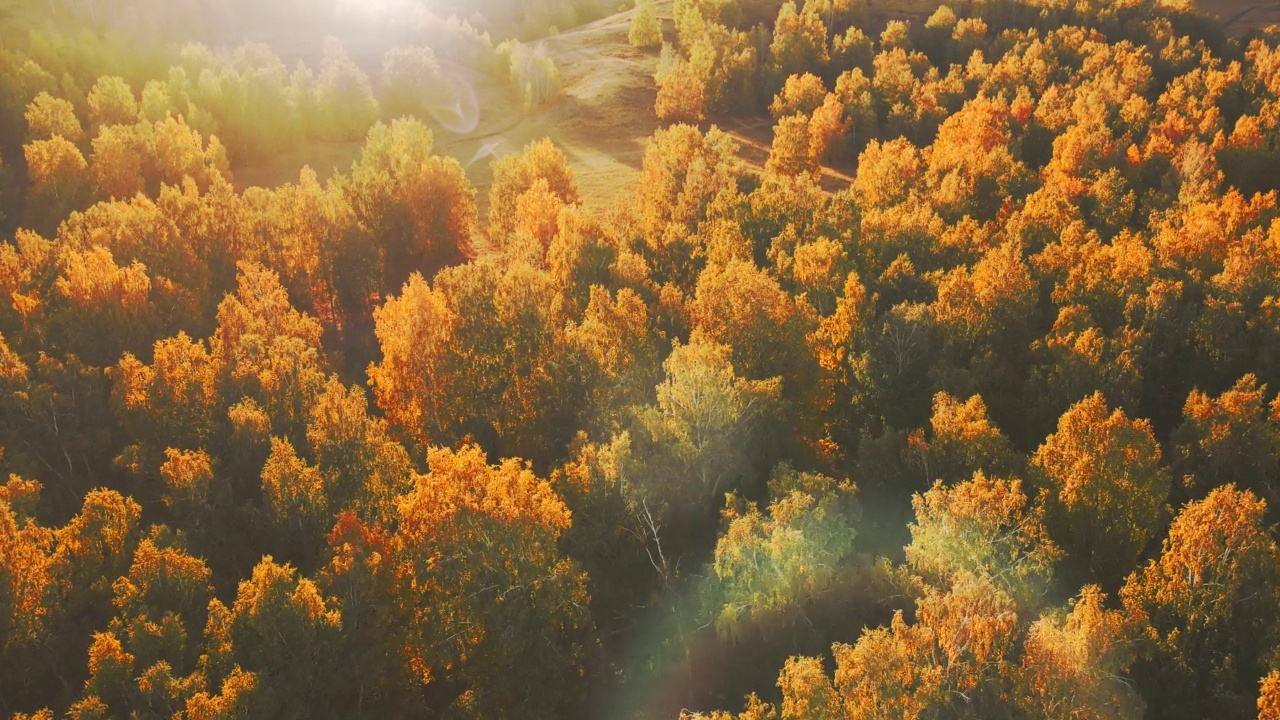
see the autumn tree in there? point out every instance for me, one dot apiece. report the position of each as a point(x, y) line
point(1104, 486)
point(418, 368)
point(971, 169)
point(683, 175)
point(477, 542)
point(1075, 666)
point(682, 94)
point(743, 308)
point(283, 631)
point(49, 117)
point(418, 208)
point(91, 551)
point(482, 354)
point(617, 337)
point(769, 567)
point(59, 182)
point(1208, 604)
point(118, 164)
point(25, 592)
point(965, 441)
point(515, 175)
point(267, 350)
point(103, 298)
point(1229, 440)
point(704, 414)
point(1269, 697)
point(686, 450)
point(791, 152)
point(799, 42)
point(345, 94)
point(800, 95)
point(148, 657)
point(953, 662)
point(413, 81)
point(112, 102)
point(180, 152)
point(987, 528)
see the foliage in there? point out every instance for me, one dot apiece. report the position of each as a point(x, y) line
point(645, 31)
point(1010, 267)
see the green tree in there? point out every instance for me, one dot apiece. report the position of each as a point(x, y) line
point(111, 102)
point(769, 567)
point(645, 31)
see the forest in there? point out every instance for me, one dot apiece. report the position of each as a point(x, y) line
point(951, 393)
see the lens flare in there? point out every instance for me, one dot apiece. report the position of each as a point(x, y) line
point(461, 115)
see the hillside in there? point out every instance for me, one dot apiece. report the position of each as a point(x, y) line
point(823, 360)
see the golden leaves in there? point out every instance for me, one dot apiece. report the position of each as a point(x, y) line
point(1106, 485)
point(986, 528)
point(1074, 666)
point(464, 481)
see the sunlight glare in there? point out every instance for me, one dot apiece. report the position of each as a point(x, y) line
point(381, 9)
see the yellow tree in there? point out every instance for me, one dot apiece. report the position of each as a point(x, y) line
point(25, 591)
point(1104, 486)
point(681, 92)
point(800, 95)
point(268, 351)
point(49, 117)
point(791, 152)
point(59, 182)
point(483, 355)
point(148, 656)
point(983, 527)
point(173, 401)
point(181, 152)
point(645, 31)
point(971, 170)
point(769, 567)
point(954, 662)
point(108, 308)
point(515, 175)
point(412, 382)
point(1228, 439)
point(476, 549)
point(744, 308)
point(617, 338)
point(417, 209)
point(282, 630)
point(683, 174)
point(965, 441)
point(111, 102)
point(705, 413)
point(1075, 666)
point(1209, 604)
point(119, 162)
point(799, 42)
point(1269, 697)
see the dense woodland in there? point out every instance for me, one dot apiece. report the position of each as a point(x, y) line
point(989, 430)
